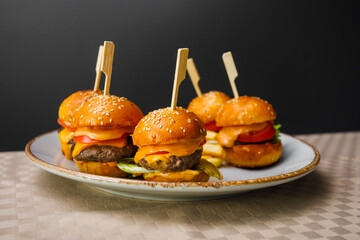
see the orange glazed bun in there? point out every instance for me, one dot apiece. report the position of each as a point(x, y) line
point(244, 110)
point(206, 106)
point(253, 155)
point(107, 111)
point(71, 103)
point(66, 114)
point(167, 126)
point(248, 134)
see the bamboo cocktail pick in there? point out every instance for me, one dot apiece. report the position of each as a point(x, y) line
point(180, 73)
point(97, 68)
point(194, 75)
point(231, 71)
point(106, 64)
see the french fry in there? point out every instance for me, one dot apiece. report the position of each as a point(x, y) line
point(214, 150)
point(217, 162)
point(210, 135)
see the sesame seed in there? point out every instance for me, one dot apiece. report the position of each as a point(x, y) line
point(184, 130)
point(81, 116)
point(102, 123)
point(170, 131)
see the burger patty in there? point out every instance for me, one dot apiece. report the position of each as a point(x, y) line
point(176, 163)
point(271, 140)
point(103, 153)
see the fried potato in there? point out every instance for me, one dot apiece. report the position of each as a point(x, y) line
point(213, 149)
point(210, 135)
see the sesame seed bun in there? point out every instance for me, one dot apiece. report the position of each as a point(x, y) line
point(253, 155)
point(166, 126)
point(184, 176)
point(107, 111)
point(206, 106)
point(72, 102)
point(244, 110)
point(100, 168)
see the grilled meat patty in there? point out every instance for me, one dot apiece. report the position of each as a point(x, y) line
point(103, 153)
point(176, 163)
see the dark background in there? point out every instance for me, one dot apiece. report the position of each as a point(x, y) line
point(301, 56)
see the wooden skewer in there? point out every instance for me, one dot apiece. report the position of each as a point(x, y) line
point(97, 68)
point(194, 75)
point(106, 64)
point(231, 71)
point(180, 73)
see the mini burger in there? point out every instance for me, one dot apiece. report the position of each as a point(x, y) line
point(170, 146)
point(206, 107)
point(247, 133)
point(103, 125)
point(66, 115)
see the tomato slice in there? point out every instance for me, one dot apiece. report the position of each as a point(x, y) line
point(66, 125)
point(211, 126)
point(258, 136)
point(86, 139)
point(160, 152)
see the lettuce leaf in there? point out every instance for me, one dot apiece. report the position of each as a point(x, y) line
point(277, 134)
point(133, 168)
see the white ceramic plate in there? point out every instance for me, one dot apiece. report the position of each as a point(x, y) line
point(299, 158)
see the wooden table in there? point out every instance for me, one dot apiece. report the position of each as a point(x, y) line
point(325, 204)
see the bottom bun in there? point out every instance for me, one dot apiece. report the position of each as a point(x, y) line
point(253, 155)
point(109, 169)
point(184, 176)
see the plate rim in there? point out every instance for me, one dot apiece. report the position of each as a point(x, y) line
point(304, 170)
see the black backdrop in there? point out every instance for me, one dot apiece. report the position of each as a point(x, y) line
point(301, 56)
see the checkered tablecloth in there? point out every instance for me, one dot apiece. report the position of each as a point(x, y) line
point(325, 204)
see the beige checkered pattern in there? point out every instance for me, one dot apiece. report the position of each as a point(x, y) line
point(325, 204)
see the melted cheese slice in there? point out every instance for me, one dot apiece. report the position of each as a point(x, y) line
point(177, 149)
point(116, 143)
point(227, 135)
point(103, 134)
point(158, 161)
point(65, 136)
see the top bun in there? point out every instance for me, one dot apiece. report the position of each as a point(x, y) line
point(208, 105)
point(166, 126)
point(107, 111)
point(71, 103)
point(244, 110)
